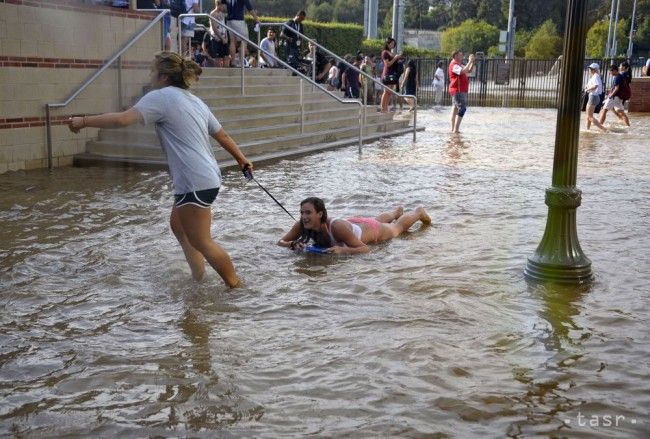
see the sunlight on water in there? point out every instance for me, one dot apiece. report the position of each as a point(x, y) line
point(103, 333)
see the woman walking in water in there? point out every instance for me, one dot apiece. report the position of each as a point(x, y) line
point(184, 125)
point(594, 88)
point(347, 236)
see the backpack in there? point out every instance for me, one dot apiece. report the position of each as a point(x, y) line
point(177, 7)
point(398, 68)
point(625, 93)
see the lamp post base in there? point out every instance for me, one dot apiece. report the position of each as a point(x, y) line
point(558, 257)
point(542, 272)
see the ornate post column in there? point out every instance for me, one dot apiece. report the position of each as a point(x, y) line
point(558, 257)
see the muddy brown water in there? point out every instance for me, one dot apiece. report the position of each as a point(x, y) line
point(104, 334)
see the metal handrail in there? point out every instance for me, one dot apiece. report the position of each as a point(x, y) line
point(348, 65)
point(87, 82)
point(297, 72)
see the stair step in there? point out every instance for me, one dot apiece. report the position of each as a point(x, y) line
point(90, 159)
point(152, 149)
point(242, 132)
point(265, 121)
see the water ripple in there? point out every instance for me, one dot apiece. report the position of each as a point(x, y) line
point(435, 334)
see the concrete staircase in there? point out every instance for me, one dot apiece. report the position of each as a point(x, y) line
point(265, 122)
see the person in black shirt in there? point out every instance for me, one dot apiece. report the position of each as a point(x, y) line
point(292, 39)
point(322, 64)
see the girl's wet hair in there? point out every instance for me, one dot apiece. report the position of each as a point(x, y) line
point(182, 73)
point(320, 239)
point(387, 43)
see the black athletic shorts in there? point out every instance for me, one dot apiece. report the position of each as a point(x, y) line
point(203, 198)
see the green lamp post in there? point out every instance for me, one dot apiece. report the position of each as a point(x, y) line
point(558, 257)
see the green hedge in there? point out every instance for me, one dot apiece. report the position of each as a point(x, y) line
point(374, 47)
point(340, 38)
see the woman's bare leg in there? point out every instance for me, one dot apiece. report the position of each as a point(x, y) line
point(403, 223)
point(194, 258)
point(591, 119)
point(386, 98)
point(195, 222)
point(389, 217)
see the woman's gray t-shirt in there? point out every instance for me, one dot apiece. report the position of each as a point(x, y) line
point(184, 124)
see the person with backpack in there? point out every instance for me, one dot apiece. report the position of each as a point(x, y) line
point(619, 93)
point(176, 8)
point(236, 9)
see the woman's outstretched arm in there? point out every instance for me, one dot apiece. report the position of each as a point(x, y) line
point(290, 236)
point(106, 120)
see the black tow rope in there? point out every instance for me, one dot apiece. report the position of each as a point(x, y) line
point(249, 176)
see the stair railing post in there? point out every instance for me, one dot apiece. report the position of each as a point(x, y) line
point(313, 65)
point(302, 108)
point(242, 47)
point(365, 103)
point(119, 83)
point(360, 129)
point(49, 136)
point(415, 117)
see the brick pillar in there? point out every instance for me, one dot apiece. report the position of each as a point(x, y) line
point(640, 101)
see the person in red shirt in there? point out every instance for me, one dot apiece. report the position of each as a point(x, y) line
point(458, 87)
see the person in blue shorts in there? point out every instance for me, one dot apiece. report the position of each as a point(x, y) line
point(184, 124)
point(347, 236)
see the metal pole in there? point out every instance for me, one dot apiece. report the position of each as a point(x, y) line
point(119, 84)
point(558, 257)
point(360, 130)
point(397, 21)
point(366, 17)
point(629, 43)
point(510, 48)
point(302, 108)
point(415, 118)
point(365, 101)
point(609, 30)
point(178, 36)
point(313, 65)
point(49, 137)
point(242, 47)
point(372, 19)
point(615, 30)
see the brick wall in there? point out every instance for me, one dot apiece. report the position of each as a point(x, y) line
point(640, 101)
point(47, 49)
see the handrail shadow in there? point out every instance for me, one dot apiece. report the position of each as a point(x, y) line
point(117, 57)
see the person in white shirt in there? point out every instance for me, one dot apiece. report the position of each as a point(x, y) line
point(438, 83)
point(333, 78)
point(594, 88)
point(268, 54)
point(187, 26)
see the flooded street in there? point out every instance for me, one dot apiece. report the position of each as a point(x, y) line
point(104, 334)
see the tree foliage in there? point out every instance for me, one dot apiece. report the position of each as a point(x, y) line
point(348, 11)
point(597, 39)
point(323, 12)
point(471, 36)
point(545, 43)
point(444, 14)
